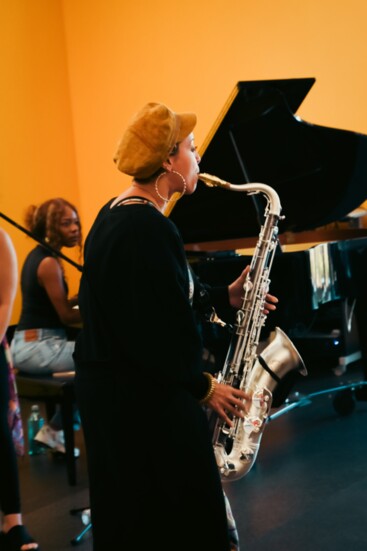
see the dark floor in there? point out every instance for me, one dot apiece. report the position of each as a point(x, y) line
point(307, 490)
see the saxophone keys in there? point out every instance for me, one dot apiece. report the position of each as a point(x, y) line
point(260, 398)
point(247, 455)
point(252, 424)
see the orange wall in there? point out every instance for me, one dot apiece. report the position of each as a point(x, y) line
point(74, 71)
point(191, 54)
point(37, 145)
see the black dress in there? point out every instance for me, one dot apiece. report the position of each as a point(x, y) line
point(139, 382)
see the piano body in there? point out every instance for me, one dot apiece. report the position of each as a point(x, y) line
point(320, 175)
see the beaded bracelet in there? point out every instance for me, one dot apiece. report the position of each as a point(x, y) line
point(211, 388)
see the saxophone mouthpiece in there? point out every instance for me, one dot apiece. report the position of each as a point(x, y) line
point(213, 181)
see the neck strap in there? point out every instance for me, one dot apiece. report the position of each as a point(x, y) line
point(135, 200)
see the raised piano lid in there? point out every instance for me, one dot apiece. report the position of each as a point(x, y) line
point(320, 173)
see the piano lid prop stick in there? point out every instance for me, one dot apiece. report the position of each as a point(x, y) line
point(43, 243)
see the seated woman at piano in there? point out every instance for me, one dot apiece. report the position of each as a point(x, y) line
point(40, 344)
point(140, 384)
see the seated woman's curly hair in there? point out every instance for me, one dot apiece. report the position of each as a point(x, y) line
point(44, 221)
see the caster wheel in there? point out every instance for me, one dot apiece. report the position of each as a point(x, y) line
point(344, 402)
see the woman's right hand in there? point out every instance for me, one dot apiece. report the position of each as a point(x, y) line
point(227, 400)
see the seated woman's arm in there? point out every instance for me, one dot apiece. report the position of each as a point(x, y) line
point(50, 277)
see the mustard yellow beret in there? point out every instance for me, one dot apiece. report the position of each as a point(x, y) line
point(149, 139)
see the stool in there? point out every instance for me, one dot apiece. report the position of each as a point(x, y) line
point(53, 390)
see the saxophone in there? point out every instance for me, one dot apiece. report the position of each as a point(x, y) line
point(258, 374)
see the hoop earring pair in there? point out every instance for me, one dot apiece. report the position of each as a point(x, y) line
point(166, 199)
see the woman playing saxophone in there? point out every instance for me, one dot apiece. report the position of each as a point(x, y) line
point(140, 353)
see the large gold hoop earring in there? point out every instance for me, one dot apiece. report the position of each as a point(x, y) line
point(165, 199)
point(183, 181)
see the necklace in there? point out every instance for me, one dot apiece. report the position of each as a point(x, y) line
point(136, 201)
point(148, 192)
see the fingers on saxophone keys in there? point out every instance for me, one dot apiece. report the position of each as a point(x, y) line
point(236, 412)
point(228, 421)
point(241, 394)
point(270, 303)
point(238, 407)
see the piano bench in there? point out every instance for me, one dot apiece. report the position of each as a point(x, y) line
point(53, 390)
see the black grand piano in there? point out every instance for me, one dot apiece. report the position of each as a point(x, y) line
point(320, 175)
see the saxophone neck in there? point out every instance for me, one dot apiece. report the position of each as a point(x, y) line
point(274, 206)
point(213, 181)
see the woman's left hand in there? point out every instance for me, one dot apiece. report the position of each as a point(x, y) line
point(270, 302)
point(236, 292)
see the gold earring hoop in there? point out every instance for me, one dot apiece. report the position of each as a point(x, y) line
point(165, 199)
point(183, 181)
